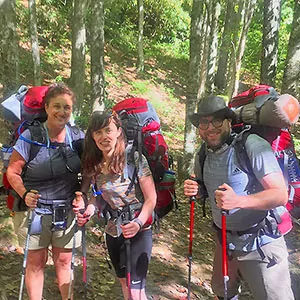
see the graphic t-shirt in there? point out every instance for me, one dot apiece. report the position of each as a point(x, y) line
point(114, 186)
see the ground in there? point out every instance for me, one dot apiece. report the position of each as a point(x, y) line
point(169, 266)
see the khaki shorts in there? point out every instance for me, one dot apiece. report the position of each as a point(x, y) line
point(59, 239)
point(20, 220)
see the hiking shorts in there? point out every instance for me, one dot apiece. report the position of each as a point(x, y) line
point(268, 279)
point(59, 239)
point(140, 254)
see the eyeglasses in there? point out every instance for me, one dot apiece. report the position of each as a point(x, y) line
point(216, 122)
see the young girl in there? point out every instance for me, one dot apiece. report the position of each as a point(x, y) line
point(104, 164)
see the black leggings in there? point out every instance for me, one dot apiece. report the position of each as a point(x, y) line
point(140, 252)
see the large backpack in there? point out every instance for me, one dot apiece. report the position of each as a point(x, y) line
point(142, 129)
point(262, 111)
point(25, 110)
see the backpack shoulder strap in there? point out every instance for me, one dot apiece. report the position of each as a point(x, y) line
point(241, 153)
point(38, 134)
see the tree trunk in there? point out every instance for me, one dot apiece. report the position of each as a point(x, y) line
point(77, 79)
point(196, 42)
point(291, 77)
point(97, 55)
point(204, 58)
point(249, 10)
point(10, 47)
point(222, 72)
point(140, 60)
point(270, 41)
point(215, 11)
point(34, 43)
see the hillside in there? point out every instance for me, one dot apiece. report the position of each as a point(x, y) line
point(168, 271)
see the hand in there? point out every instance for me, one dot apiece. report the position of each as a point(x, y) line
point(31, 199)
point(190, 188)
point(83, 216)
point(78, 202)
point(130, 229)
point(226, 198)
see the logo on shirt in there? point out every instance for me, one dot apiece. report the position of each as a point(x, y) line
point(236, 171)
point(136, 281)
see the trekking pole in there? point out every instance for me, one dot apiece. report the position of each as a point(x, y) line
point(128, 267)
point(72, 261)
point(25, 254)
point(192, 209)
point(224, 254)
point(84, 267)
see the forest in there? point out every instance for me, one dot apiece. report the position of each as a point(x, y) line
point(171, 52)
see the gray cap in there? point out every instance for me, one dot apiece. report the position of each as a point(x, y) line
point(211, 105)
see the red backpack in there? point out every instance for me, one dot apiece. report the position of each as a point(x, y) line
point(22, 110)
point(142, 129)
point(272, 116)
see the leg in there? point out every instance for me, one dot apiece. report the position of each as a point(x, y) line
point(62, 261)
point(141, 247)
point(34, 277)
point(124, 288)
point(268, 279)
point(217, 277)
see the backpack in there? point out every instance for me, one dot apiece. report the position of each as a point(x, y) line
point(142, 130)
point(25, 110)
point(260, 110)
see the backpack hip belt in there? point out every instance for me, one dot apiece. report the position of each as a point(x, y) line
point(127, 213)
point(268, 225)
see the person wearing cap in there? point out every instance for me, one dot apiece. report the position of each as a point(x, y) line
point(256, 250)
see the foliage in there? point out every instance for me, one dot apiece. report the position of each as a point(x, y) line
point(161, 25)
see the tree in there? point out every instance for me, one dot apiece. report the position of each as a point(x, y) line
point(9, 47)
point(77, 79)
point(97, 55)
point(196, 42)
point(291, 77)
point(214, 13)
point(271, 24)
point(34, 43)
point(236, 66)
point(140, 61)
point(226, 45)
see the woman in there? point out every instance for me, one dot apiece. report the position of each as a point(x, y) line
point(47, 184)
point(104, 162)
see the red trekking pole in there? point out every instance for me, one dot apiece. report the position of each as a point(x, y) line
point(192, 208)
point(224, 254)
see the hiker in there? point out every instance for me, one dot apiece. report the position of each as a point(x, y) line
point(255, 249)
point(104, 161)
point(47, 184)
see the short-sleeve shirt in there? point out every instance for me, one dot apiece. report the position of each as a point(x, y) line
point(114, 186)
point(221, 167)
point(53, 171)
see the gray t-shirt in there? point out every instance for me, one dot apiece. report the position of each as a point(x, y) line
point(222, 167)
point(54, 170)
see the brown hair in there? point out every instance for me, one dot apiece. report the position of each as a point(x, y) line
point(92, 155)
point(58, 89)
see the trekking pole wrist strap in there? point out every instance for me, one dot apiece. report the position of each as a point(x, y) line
point(138, 221)
point(26, 192)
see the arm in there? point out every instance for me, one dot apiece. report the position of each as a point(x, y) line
point(14, 171)
point(149, 193)
point(273, 195)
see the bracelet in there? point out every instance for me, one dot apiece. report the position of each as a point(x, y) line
point(138, 221)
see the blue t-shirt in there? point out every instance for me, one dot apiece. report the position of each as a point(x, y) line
point(221, 167)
